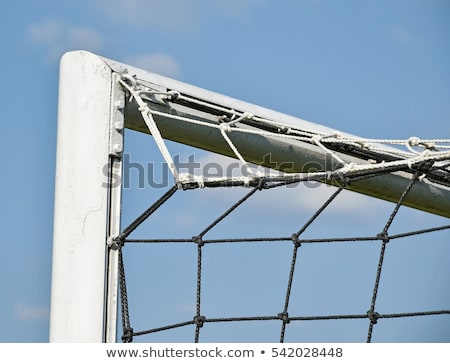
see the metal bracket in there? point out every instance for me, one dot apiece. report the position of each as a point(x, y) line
point(117, 119)
point(116, 142)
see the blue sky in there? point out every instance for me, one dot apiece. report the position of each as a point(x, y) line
point(371, 68)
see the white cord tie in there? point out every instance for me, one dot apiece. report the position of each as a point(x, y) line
point(417, 150)
point(225, 127)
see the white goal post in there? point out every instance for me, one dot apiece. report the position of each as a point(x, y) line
point(92, 113)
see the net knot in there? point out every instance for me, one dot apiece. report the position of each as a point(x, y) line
point(284, 316)
point(296, 241)
point(384, 237)
point(127, 336)
point(373, 316)
point(316, 139)
point(247, 115)
point(413, 141)
point(199, 320)
point(342, 175)
point(172, 95)
point(285, 130)
point(198, 240)
point(246, 181)
point(116, 242)
point(189, 181)
point(224, 127)
point(348, 167)
point(143, 108)
point(262, 184)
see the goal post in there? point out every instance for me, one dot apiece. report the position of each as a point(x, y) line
point(93, 110)
point(86, 207)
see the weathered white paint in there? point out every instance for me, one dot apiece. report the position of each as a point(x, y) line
point(81, 200)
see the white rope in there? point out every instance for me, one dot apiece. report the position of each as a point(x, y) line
point(294, 134)
point(244, 116)
point(317, 140)
point(300, 132)
point(320, 139)
point(150, 122)
point(185, 178)
point(224, 129)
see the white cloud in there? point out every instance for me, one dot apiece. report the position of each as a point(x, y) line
point(84, 38)
point(27, 312)
point(59, 37)
point(179, 17)
point(172, 16)
point(46, 32)
point(160, 63)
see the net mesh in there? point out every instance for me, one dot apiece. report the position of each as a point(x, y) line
point(282, 236)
